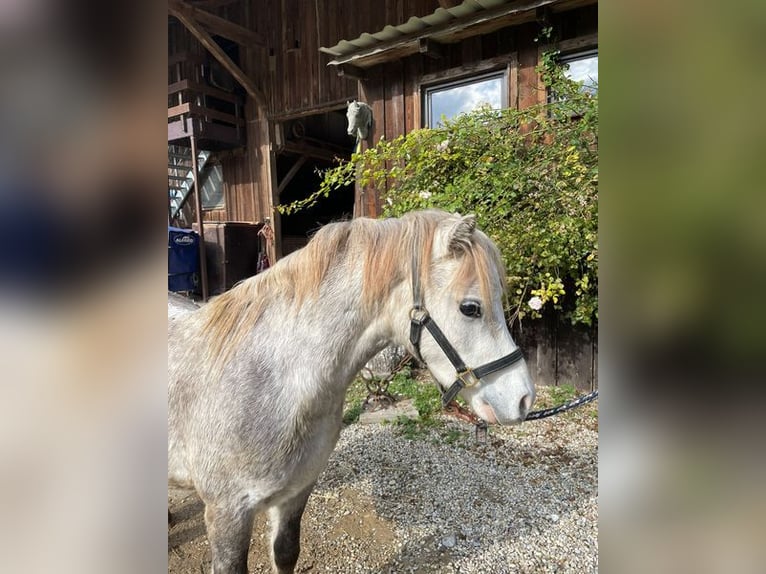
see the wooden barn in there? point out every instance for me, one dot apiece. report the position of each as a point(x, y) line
point(258, 92)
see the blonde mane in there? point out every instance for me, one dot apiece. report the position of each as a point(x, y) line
point(385, 247)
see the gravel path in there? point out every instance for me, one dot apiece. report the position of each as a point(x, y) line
point(524, 501)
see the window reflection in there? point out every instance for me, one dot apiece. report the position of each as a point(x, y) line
point(212, 188)
point(461, 97)
point(583, 67)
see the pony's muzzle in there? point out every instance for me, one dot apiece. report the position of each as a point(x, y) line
point(498, 414)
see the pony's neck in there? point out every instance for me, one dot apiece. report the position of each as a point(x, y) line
point(387, 323)
point(342, 334)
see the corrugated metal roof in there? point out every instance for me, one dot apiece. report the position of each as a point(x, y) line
point(444, 24)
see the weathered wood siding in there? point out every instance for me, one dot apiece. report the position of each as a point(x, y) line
point(294, 76)
point(559, 354)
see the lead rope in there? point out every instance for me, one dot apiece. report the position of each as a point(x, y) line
point(545, 413)
point(480, 430)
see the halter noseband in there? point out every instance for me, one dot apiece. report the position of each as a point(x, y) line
point(419, 318)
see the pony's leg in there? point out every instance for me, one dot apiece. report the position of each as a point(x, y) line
point(285, 520)
point(229, 528)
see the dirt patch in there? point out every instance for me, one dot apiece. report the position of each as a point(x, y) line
point(359, 521)
point(347, 518)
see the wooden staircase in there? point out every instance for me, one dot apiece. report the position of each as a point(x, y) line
point(181, 182)
point(202, 103)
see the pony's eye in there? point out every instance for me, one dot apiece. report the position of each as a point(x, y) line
point(470, 308)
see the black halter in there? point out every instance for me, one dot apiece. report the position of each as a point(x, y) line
point(466, 377)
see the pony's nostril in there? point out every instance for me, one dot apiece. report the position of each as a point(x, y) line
point(525, 405)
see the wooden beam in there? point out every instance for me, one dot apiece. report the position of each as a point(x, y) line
point(208, 113)
point(319, 109)
point(431, 48)
point(270, 165)
point(214, 3)
point(182, 14)
point(351, 72)
point(291, 174)
point(200, 223)
point(221, 26)
point(204, 89)
point(313, 151)
point(579, 43)
point(178, 110)
point(185, 57)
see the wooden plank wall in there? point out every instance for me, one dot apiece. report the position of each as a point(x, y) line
point(558, 353)
point(303, 80)
point(294, 75)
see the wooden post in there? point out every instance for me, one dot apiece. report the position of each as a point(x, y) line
point(198, 205)
point(268, 128)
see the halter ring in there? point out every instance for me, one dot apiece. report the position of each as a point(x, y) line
point(418, 315)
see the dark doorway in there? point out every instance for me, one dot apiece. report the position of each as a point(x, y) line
point(312, 144)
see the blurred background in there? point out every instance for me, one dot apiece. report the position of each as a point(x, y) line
point(83, 267)
point(683, 276)
point(82, 286)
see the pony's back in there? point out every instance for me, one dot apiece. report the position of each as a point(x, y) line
point(178, 305)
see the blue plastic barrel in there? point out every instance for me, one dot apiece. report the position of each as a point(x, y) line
point(183, 259)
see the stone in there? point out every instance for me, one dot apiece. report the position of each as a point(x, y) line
point(449, 541)
point(404, 408)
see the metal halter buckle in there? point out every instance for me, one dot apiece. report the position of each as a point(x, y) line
point(468, 378)
point(418, 315)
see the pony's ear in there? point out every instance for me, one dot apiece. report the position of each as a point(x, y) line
point(460, 234)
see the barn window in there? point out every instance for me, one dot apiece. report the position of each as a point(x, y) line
point(583, 67)
point(212, 188)
point(447, 100)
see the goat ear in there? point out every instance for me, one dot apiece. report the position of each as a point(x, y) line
point(460, 234)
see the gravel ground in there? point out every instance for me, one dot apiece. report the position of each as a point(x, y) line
point(523, 501)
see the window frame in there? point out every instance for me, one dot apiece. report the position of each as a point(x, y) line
point(447, 82)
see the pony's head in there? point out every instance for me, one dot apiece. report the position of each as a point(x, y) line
point(462, 280)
